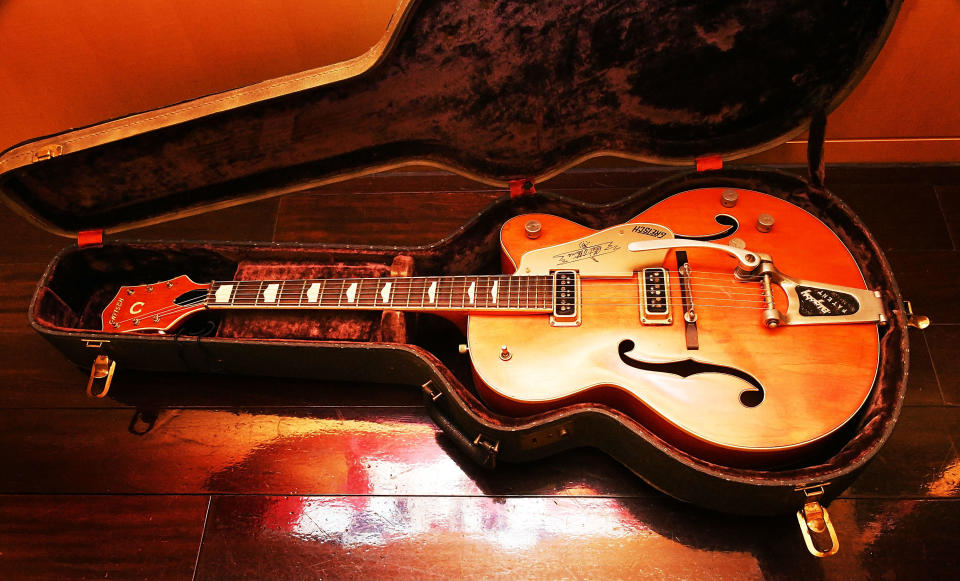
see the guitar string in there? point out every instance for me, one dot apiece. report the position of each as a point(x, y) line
point(590, 299)
point(510, 295)
point(697, 305)
point(610, 301)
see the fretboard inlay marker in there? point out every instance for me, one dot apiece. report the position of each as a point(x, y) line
point(352, 293)
point(493, 291)
point(470, 291)
point(385, 293)
point(432, 292)
point(270, 293)
point(313, 293)
point(223, 293)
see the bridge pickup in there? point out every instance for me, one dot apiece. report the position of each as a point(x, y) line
point(655, 297)
point(566, 299)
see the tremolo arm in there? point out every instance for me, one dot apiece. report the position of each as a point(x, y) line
point(809, 303)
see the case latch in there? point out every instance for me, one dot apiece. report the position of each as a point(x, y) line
point(914, 320)
point(491, 448)
point(103, 368)
point(815, 525)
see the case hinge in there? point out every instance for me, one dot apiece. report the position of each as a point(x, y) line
point(815, 525)
point(491, 448)
point(521, 188)
point(710, 162)
point(102, 369)
point(49, 152)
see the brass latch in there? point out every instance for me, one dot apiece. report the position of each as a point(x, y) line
point(815, 525)
point(492, 449)
point(48, 152)
point(913, 320)
point(103, 368)
point(428, 391)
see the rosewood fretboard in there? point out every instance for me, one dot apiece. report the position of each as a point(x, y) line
point(428, 293)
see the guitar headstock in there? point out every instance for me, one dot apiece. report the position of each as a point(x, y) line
point(156, 307)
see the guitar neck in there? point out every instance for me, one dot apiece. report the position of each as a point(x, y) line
point(417, 293)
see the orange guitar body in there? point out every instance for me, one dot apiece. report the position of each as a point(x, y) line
point(814, 378)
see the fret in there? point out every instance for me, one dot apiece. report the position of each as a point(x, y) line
point(446, 287)
point(408, 282)
point(482, 295)
point(332, 293)
point(367, 292)
point(233, 294)
point(294, 296)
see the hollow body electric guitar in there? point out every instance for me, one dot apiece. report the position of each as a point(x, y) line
point(685, 318)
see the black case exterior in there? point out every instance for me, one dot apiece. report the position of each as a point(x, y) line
point(485, 436)
point(497, 91)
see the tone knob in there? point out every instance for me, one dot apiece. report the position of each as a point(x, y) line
point(764, 222)
point(738, 243)
point(729, 198)
point(532, 228)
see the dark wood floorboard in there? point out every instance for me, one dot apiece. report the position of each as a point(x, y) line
point(913, 204)
point(921, 459)
point(930, 280)
point(326, 450)
point(327, 480)
point(944, 341)
point(100, 537)
point(19, 282)
point(949, 198)
point(923, 385)
point(554, 538)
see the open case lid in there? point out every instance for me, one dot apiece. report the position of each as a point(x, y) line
point(492, 89)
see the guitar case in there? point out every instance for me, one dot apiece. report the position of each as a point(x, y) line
point(508, 93)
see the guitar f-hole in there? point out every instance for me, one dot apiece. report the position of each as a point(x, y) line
point(750, 398)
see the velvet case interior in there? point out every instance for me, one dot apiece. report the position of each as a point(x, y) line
point(81, 281)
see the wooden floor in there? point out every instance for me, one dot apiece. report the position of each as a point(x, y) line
point(183, 477)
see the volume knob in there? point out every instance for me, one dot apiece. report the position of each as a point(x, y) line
point(729, 198)
point(764, 222)
point(532, 228)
